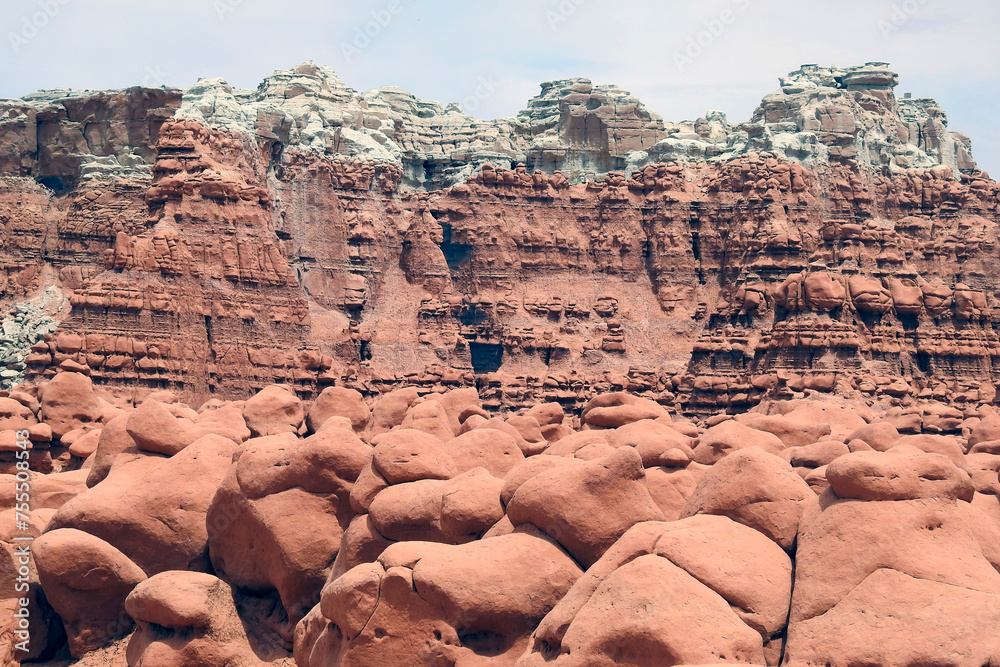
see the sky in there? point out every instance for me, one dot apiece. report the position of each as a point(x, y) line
point(680, 58)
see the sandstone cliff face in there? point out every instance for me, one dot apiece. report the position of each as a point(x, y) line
point(60, 137)
point(219, 240)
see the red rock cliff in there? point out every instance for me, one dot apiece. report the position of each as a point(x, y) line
point(217, 241)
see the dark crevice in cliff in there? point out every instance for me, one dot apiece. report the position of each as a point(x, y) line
point(696, 250)
point(486, 357)
point(57, 184)
point(455, 254)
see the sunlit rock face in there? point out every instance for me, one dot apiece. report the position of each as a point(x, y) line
point(310, 376)
point(214, 241)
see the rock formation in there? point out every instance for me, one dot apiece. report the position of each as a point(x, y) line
point(308, 234)
point(430, 530)
point(310, 376)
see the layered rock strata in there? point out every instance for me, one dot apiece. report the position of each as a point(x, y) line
point(216, 241)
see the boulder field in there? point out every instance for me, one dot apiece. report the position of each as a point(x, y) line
point(421, 528)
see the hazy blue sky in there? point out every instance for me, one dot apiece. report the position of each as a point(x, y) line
point(449, 51)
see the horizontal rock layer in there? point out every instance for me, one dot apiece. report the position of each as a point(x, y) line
point(216, 241)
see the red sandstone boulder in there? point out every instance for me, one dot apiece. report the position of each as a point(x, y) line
point(574, 443)
point(185, 619)
point(670, 488)
point(409, 511)
point(617, 409)
point(529, 430)
point(940, 418)
point(86, 444)
point(729, 436)
point(907, 299)
point(338, 402)
point(824, 291)
point(15, 416)
point(369, 483)
point(253, 544)
point(637, 617)
point(878, 435)
point(493, 450)
point(470, 505)
point(457, 402)
point(48, 492)
point(986, 430)
point(451, 511)
point(326, 462)
point(935, 444)
point(273, 410)
point(671, 593)
point(904, 422)
point(869, 296)
point(907, 620)
point(68, 401)
point(843, 419)
point(987, 447)
point(495, 423)
point(528, 468)
point(586, 507)
point(429, 415)
point(86, 580)
point(423, 604)
point(792, 432)
point(896, 553)
point(226, 420)
point(362, 543)
point(892, 543)
point(155, 429)
point(114, 441)
point(657, 443)
point(754, 488)
point(44, 631)
point(547, 414)
point(901, 473)
point(938, 298)
point(153, 509)
point(389, 410)
point(408, 455)
point(983, 469)
point(817, 454)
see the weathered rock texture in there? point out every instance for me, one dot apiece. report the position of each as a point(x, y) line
point(303, 375)
point(216, 241)
point(420, 528)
